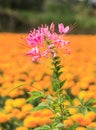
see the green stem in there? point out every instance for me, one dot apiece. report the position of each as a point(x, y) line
point(58, 92)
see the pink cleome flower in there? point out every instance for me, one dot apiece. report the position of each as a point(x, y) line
point(45, 40)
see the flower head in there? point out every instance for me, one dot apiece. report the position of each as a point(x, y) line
point(45, 40)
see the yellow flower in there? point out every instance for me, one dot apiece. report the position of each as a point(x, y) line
point(9, 102)
point(19, 102)
point(8, 108)
point(21, 128)
point(66, 103)
point(81, 128)
point(26, 108)
point(81, 94)
point(72, 110)
point(76, 102)
point(30, 121)
point(3, 117)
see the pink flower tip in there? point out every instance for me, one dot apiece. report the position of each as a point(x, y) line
point(52, 27)
point(63, 29)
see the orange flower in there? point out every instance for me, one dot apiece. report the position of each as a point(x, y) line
point(4, 117)
point(31, 121)
point(89, 95)
point(91, 115)
point(92, 125)
point(82, 120)
point(19, 102)
point(26, 108)
point(13, 72)
point(68, 123)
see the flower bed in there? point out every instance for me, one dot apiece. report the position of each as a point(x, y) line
point(18, 76)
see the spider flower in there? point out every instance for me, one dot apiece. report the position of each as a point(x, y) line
point(45, 40)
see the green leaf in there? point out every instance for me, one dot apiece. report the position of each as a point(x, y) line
point(92, 100)
point(57, 62)
point(45, 127)
point(56, 58)
point(60, 125)
point(49, 99)
point(35, 95)
point(54, 85)
point(41, 106)
point(62, 83)
point(18, 86)
point(69, 98)
point(59, 73)
point(92, 108)
point(84, 110)
point(54, 124)
point(56, 129)
point(89, 128)
point(55, 74)
point(59, 67)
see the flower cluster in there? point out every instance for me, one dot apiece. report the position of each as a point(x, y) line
point(45, 40)
point(13, 105)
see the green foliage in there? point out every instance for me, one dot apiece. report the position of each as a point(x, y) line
point(88, 128)
point(46, 11)
point(56, 83)
point(41, 106)
point(45, 127)
point(86, 106)
point(35, 95)
point(23, 4)
point(9, 124)
point(55, 102)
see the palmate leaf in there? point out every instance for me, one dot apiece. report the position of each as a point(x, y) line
point(90, 101)
point(35, 95)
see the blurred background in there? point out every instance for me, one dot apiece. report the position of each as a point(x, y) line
point(24, 15)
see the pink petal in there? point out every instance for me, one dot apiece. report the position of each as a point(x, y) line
point(61, 27)
point(66, 29)
point(52, 27)
point(44, 53)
